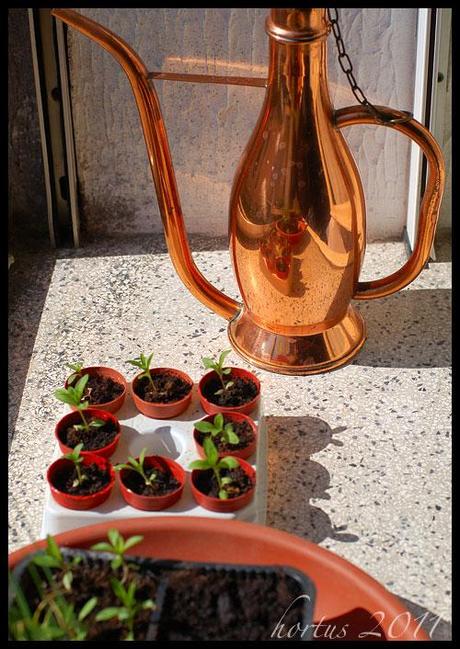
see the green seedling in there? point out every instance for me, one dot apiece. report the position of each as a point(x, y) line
point(77, 459)
point(74, 396)
point(213, 462)
point(219, 369)
point(117, 546)
point(130, 609)
point(53, 619)
point(138, 466)
point(217, 429)
point(52, 558)
point(143, 363)
point(76, 368)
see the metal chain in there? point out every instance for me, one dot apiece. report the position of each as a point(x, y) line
point(347, 67)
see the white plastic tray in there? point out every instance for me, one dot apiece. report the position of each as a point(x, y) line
point(171, 438)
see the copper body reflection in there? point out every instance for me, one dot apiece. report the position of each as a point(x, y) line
point(297, 213)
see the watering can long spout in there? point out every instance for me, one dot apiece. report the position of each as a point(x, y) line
point(160, 160)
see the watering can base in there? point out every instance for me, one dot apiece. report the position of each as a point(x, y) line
point(298, 355)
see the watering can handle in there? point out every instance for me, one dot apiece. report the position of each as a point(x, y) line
point(431, 202)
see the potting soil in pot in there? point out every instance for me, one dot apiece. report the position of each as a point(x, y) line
point(163, 484)
point(242, 391)
point(102, 389)
point(241, 428)
point(92, 439)
point(96, 480)
point(241, 483)
point(166, 388)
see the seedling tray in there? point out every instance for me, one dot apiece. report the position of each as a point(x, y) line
point(171, 438)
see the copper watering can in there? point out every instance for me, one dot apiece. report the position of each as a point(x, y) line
point(297, 216)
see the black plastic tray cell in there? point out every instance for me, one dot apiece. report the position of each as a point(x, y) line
point(228, 602)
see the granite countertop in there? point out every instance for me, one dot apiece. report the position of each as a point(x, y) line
point(359, 458)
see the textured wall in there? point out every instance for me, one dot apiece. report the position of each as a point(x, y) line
point(26, 186)
point(209, 126)
point(445, 217)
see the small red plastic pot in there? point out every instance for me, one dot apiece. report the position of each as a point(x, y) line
point(224, 506)
point(242, 453)
point(75, 418)
point(211, 408)
point(72, 501)
point(109, 406)
point(154, 503)
point(162, 410)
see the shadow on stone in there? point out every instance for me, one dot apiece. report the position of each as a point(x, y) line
point(411, 328)
point(298, 478)
point(435, 626)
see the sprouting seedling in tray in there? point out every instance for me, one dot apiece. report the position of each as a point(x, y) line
point(143, 363)
point(53, 558)
point(219, 369)
point(213, 462)
point(74, 396)
point(117, 546)
point(76, 368)
point(77, 459)
point(130, 608)
point(138, 466)
point(216, 428)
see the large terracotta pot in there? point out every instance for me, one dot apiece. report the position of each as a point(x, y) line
point(345, 594)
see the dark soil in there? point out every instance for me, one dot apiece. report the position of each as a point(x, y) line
point(242, 391)
point(223, 605)
point(166, 388)
point(241, 428)
point(92, 439)
point(97, 479)
point(241, 483)
point(164, 482)
point(91, 578)
point(101, 389)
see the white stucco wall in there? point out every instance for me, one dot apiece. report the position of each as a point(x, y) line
point(209, 126)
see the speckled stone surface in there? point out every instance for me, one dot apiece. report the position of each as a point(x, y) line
point(359, 459)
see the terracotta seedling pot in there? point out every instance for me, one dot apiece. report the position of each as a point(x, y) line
point(213, 409)
point(162, 410)
point(154, 503)
point(72, 501)
point(75, 418)
point(242, 453)
point(109, 406)
point(224, 506)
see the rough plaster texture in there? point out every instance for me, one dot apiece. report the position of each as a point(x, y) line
point(209, 126)
point(26, 186)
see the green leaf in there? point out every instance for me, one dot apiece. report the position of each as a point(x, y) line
point(229, 384)
point(116, 562)
point(45, 561)
point(223, 495)
point(82, 405)
point(67, 580)
point(108, 613)
point(81, 386)
point(87, 608)
point(208, 363)
point(219, 391)
point(225, 480)
point(232, 437)
point(204, 426)
point(133, 540)
point(228, 462)
point(133, 462)
point(148, 604)
point(123, 614)
point(149, 360)
point(142, 456)
point(223, 356)
point(113, 536)
point(201, 465)
point(97, 423)
point(119, 467)
point(52, 548)
point(119, 591)
point(227, 370)
point(135, 362)
point(219, 421)
point(102, 547)
point(210, 451)
point(63, 395)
